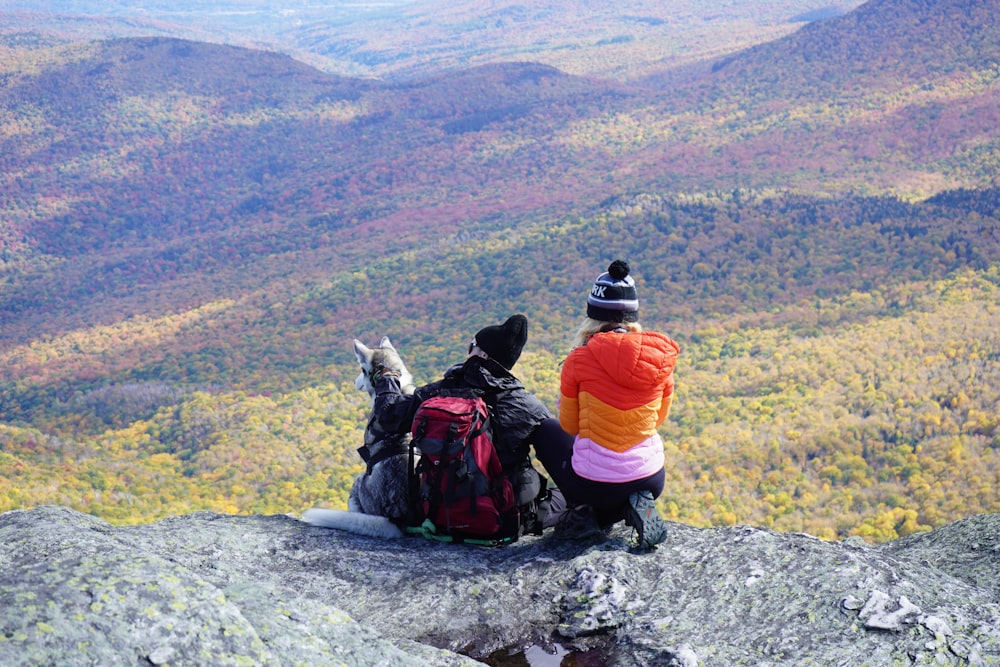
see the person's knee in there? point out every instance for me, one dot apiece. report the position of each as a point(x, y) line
point(527, 485)
point(551, 439)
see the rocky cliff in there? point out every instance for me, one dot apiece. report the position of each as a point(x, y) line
point(209, 589)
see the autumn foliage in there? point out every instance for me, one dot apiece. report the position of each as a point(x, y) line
point(191, 235)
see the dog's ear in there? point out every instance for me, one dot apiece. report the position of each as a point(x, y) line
point(362, 352)
point(386, 344)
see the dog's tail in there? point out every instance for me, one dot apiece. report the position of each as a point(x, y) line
point(353, 522)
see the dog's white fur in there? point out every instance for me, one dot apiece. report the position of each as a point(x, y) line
point(370, 525)
point(374, 491)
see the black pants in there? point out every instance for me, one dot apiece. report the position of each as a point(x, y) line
point(554, 449)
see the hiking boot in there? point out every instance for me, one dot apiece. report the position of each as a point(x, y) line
point(641, 515)
point(577, 523)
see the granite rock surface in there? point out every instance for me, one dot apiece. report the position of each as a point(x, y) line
point(209, 589)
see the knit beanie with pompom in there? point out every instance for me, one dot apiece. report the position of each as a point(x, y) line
point(613, 297)
point(504, 342)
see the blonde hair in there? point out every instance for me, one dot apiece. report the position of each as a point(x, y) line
point(589, 327)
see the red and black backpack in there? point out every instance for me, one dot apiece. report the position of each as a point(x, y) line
point(458, 488)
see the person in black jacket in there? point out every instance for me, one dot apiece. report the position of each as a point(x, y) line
point(515, 413)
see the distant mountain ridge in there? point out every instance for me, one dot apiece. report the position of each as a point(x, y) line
point(286, 151)
point(407, 40)
point(170, 140)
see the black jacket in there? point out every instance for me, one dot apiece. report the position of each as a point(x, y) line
point(515, 413)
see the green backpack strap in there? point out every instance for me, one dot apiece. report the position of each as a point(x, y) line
point(428, 531)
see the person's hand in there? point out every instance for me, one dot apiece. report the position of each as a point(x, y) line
point(379, 371)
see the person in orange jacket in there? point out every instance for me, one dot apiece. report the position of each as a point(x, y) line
point(616, 388)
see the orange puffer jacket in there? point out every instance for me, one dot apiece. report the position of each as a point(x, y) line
point(614, 393)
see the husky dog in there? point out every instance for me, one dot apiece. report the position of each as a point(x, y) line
point(384, 356)
point(378, 499)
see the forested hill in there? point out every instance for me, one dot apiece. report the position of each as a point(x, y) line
point(885, 43)
point(907, 88)
point(191, 234)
